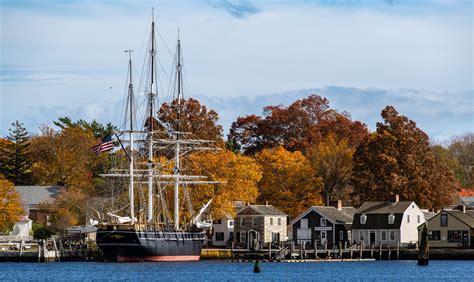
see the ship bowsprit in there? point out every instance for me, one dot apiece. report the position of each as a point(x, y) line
point(119, 244)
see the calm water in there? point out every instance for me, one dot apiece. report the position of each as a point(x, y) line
point(227, 271)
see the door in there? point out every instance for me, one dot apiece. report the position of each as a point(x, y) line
point(372, 237)
point(323, 237)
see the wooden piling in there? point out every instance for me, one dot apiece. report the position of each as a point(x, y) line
point(270, 251)
point(398, 250)
point(380, 251)
point(315, 249)
point(360, 250)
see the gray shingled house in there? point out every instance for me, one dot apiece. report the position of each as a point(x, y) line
point(257, 225)
point(33, 196)
point(323, 225)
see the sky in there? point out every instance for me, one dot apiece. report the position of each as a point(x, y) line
point(65, 58)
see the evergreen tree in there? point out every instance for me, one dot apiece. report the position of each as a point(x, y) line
point(15, 161)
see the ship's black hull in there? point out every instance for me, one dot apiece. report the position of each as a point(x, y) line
point(121, 243)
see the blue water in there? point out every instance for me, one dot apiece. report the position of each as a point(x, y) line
point(228, 271)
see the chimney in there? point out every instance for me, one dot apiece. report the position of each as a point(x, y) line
point(462, 208)
point(337, 204)
point(394, 198)
point(266, 203)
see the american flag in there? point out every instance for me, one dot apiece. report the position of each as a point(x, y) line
point(105, 145)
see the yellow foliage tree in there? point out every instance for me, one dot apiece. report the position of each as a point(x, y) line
point(11, 208)
point(239, 175)
point(331, 160)
point(288, 182)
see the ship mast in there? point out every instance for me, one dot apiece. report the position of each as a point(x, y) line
point(177, 147)
point(151, 96)
point(130, 96)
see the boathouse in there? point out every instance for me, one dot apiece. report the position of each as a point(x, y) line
point(257, 225)
point(323, 225)
point(451, 229)
point(389, 223)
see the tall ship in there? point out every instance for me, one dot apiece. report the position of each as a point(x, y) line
point(150, 174)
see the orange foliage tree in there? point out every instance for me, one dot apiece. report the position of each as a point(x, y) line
point(11, 208)
point(288, 182)
point(239, 176)
point(296, 127)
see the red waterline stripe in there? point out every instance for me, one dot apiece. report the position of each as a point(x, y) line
point(157, 258)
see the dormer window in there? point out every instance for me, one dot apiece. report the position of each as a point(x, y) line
point(391, 219)
point(363, 219)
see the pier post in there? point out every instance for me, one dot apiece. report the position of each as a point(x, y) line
point(315, 249)
point(423, 254)
point(360, 250)
point(389, 253)
point(340, 249)
point(398, 250)
point(372, 251)
point(270, 251)
point(380, 251)
point(351, 252)
point(232, 251)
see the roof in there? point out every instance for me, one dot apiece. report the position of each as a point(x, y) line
point(34, 195)
point(263, 210)
point(467, 218)
point(377, 214)
point(383, 207)
point(344, 215)
point(428, 215)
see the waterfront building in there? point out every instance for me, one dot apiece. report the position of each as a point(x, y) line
point(323, 225)
point(33, 196)
point(388, 223)
point(223, 232)
point(451, 229)
point(257, 225)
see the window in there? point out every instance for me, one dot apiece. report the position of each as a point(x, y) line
point(341, 235)
point(219, 221)
point(231, 223)
point(279, 221)
point(392, 235)
point(391, 218)
point(255, 221)
point(242, 221)
point(384, 235)
point(349, 236)
point(363, 219)
point(275, 237)
point(219, 236)
point(454, 236)
point(243, 237)
point(304, 223)
point(408, 218)
point(271, 220)
point(434, 235)
point(238, 237)
point(361, 235)
point(444, 220)
point(418, 219)
point(323, 234)
point(323, 222)
point(412, 206)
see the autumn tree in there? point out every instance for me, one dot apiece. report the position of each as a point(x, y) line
point(11, 208)
point(462, 147)
point(15, 155)
point(193, 118)
point(238, 175)
point(445, 156)
point(396, 159)
point(288, 181)
point(65, 157)
point(296, 127)
point(331, 159)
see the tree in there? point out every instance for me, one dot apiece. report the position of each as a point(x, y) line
point(194, 118)
point(332, 161)
point(296, 127)
point(15, 155)
point(445, 156)
point(396, 159)
point(239, 176)
point(462, 147)
point(98, 130)
point(11, 208)
point(288, 182)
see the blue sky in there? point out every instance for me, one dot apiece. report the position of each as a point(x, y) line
point(66, 57)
